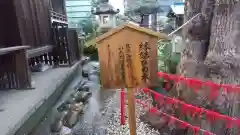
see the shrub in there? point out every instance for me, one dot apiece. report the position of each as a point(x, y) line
point(89, 50)
point(167, 60)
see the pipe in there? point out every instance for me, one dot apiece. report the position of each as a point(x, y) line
point(187, 22)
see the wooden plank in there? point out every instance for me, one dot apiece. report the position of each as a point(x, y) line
point(73, 46)
point(27, 22)
point(131, 112)
point(39, 51)
point(12, 49)
point(22, 71)
point(58, 6)
point(37, 20)
point(9, 34)
point(33, 21)
point(128, 59)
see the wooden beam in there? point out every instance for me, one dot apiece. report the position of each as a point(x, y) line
point(12, 49)
point(59, 21)
point(39, 51)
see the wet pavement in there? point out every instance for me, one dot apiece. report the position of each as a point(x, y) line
point(97, 112)
point(94, 121)
point(95, 118)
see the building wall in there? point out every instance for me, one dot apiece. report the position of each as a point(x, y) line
point(25, 22)
point(58, 6)
point(78, 10)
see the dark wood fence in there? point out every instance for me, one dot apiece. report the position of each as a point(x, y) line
point(32, 23)
point(26, 22)
point(15, 61)
point(66, 51)
point(74, 46)
point(40, 55)
point(14, 73)
point(58, 6)
point(58, 16)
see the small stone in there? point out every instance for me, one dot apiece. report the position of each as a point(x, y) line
point(66, 131)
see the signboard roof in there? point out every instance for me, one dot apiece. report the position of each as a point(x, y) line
point(134, 27)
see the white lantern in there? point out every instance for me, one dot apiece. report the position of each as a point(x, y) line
point(106, 15)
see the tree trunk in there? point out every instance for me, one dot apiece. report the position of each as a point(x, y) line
point(212, 53)
point(197, 36)
point(196, 41)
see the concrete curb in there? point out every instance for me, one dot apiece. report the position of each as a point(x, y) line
point(44, 107)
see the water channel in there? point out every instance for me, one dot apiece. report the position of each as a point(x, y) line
point(98, 110)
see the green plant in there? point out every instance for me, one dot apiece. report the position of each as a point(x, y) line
point(167, 60)
point(164, 55)
point(89, 50)
point(89, 27)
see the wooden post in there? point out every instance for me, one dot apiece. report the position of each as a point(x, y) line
point(131, 112)
point(22, 70)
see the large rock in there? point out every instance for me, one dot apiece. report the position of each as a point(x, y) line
point(82, 86)
point(72, 116)
point(81, 96)
point(57, 119)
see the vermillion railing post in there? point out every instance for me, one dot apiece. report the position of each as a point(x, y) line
point(122, 106)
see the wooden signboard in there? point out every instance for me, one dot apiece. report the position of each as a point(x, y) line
point(128, 57)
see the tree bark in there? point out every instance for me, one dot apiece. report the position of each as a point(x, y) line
point(195, 39)
point(197, 36)
point(212, 53)
point(222, 59)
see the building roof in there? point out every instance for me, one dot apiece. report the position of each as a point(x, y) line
point(131, 26)
point(105, 8)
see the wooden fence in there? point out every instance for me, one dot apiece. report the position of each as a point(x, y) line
point(14, 73)
point(66, 50)
point(26, 22)
point(15, 61)
point(40, 24)
point(74, 45)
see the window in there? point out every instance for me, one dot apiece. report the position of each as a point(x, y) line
point(72, 25)
point(76, 20)
point(79, 14)
point(80, 2)
point(105, 19)
point(78, 8)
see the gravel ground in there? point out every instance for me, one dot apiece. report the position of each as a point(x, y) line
point(97, 125)
point(116, 129)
